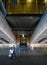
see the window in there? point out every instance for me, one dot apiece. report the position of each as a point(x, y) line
point(14, 2)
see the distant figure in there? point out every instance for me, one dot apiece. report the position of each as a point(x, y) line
point(12, 52)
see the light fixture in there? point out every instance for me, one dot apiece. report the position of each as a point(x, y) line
point(22, 35)
point(30, 17)
point(29, 1)
point(45, 1)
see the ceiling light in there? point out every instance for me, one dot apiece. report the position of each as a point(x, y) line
point(45, 1)
point(29, 1)
point(30, 17)
point(22, 35)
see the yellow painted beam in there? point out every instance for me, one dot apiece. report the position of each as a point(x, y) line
point(29, 7)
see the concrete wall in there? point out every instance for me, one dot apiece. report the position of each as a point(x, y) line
point(4, 27)
point(41, 27)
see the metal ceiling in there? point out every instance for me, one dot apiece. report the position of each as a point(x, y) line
point(23, 23)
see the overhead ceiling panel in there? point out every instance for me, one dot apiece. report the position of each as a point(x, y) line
point(22, 23)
